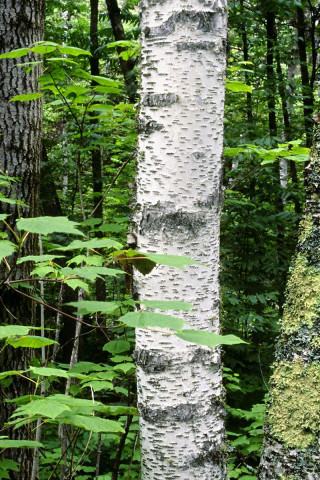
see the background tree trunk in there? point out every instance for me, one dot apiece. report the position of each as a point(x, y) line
point(21, 24)
point(178, 212)
point(291, 447)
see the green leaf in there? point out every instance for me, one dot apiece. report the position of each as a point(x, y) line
point(4, 443)
point(238, 86)
point(47, 225)
point(49, 372)
point(3, 216)
point(106, 81)
point(6, 248)
point(31, 341)
point(117, 346)
point(97, 424)
point(26, 97)
point(208, 339)
point(126, 368)
point(39, 258)
point(166, 305)
point(73, 51)
point(14, 330)
point(46, 407)
point(177, 261)
point(43, 49)
point(10, 373)
point(86, 307)
point(16, 53)
point(150, 319)
point(91, 272)
point(75, 283)
point(95, 243)
point(97, 385)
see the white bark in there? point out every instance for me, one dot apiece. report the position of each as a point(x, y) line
point(178, 212)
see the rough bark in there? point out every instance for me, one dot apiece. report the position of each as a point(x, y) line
point(291, 448)
point(21, 24)
point(178, 212)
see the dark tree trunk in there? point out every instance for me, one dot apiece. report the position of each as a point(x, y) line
point(291, 448)
point(126, 66)
point(307, 92)
point(246, 59)
point(21, 24)
point(270, 84)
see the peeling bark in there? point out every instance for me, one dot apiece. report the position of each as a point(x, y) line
point(178, 212)
point(291, 448)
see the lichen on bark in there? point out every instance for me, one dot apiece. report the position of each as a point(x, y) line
point(294, 416)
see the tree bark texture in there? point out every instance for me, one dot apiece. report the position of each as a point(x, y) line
point(21, 24)
point(178, 212)
point(291, 448)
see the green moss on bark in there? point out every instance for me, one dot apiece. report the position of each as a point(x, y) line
point(303, 299)
point(294, 416)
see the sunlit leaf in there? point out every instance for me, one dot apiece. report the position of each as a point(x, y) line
point(47, 225)
point(208, 339)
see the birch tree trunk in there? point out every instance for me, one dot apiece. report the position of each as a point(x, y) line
point(291, 449)
point(21, 24)
point(178, 212)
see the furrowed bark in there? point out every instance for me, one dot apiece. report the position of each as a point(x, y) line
point(178, 212)
point(291, 448)
point(21, 24)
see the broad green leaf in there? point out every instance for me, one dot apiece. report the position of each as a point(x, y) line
point(126, 368)
point(73, 51)
point(6, 248)
point(46, 407)
point(238, 86)
point(16, 53)
point(118, 410)
point(177, 261)
point(49, 372)
point(3, 216)
point(108, 82)
point(39, 258)
point(14, 330)
point(120, 43)
point(86, 307)
point(91, 272)
point(112, 227)
point(62, 60)
point(47, 225)
point(150, 319)
point(97, 385)
point(30, 341)
point(43, 49)
point(97, 424)
point(165, 305)
point(95, 243)
point(85, 367)
point(75, 283)
point(4, 443)
point(26, 97)
point(117, 346)
point(208, 339)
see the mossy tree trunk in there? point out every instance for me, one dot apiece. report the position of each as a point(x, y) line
point(291, 449)
point(21, 24)
point(178, 212)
